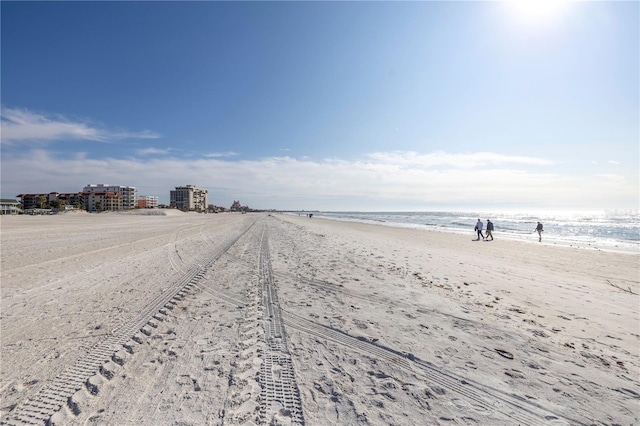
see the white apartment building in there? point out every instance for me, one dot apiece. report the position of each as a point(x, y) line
point(147, 202)
point(189, 198)
point(129, 193)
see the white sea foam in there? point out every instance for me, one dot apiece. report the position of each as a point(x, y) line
point(610, 230)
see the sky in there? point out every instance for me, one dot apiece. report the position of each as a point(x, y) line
point(370, 106)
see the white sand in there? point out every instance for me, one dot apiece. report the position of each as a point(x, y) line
point(293, 320)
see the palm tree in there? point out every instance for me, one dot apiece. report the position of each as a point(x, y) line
point(41, 200)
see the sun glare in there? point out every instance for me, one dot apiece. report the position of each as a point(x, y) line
point(537, 11)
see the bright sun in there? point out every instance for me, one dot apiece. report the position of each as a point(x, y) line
point(537, 11)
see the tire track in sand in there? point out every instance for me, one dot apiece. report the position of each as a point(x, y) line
point(265, 380)
point(174, 259)
point(55, 400)
point(280, 395)
point(482, 397)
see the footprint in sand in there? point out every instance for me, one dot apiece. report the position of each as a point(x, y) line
point(504, 353)
point(466, 406)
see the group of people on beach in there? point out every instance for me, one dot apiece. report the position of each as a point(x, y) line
point(478, 229)
point(480, 225)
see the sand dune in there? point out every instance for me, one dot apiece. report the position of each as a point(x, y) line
point(233, 319)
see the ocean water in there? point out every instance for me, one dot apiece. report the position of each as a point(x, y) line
point(609, 230)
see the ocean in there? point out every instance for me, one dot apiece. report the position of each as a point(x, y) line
point(610, 230)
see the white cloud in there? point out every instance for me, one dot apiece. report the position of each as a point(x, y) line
point(221, 154)
point(613, 162)
point(382, 181)
point(153, 151)
point(466, 160)
point(19, 125)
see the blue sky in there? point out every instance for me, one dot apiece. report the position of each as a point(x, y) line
point(327, 105)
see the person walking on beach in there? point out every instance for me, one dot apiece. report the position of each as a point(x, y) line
point(489, 229)
point(478, 229)
point(539, 230)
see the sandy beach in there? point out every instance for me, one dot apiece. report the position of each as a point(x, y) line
point(240, 319)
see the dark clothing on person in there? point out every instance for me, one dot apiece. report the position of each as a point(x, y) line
point(539, 230)
point(489, 229)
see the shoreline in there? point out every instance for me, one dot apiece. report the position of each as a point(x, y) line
point(549, 239)
point(621, 247)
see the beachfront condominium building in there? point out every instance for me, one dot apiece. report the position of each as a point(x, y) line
point(128, 194)
point(47, 200)
point(147, 202)
point(103, 201)
point(189, 198)
point(37, 201)
point(9, 206)
point(92, 201)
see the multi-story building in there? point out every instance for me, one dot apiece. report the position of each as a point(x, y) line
point(147, 202)
point(37, 201)
point(129, 194)
point(9, 206)
point(75, 199)
point(30, 201)
point(103, 201)
point(189, 198)
point(92, 201)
